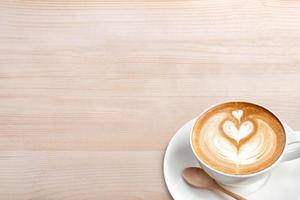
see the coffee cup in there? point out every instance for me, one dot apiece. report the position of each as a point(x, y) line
point(238, 143)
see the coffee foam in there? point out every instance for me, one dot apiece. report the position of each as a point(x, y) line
point(238, 138)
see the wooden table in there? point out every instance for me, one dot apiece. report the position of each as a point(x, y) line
point(92, 91)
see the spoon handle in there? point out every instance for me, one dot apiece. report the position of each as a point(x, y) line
point(232, 194)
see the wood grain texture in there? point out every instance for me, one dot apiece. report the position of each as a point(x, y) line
point(84, 83)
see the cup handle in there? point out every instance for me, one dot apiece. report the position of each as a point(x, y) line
point(293, 146)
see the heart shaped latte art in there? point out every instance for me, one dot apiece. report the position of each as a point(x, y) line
point(238, 114)
point(238, 133)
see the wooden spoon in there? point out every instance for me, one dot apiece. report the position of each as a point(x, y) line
point(198, 178)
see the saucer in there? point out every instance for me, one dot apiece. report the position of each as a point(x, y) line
point(282, 183)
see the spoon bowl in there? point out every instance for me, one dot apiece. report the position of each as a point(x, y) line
point(198, 178)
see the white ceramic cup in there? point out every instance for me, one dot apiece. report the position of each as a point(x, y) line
point(291, 151)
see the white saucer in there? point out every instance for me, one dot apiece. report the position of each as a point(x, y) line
point(283, 183)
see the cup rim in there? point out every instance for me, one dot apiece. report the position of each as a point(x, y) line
point(239, 175)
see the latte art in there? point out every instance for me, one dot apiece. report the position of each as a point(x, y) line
point(238, 138)
point(238, 132)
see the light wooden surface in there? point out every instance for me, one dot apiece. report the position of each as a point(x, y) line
point(92, 91)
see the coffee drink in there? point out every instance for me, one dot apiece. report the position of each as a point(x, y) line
point(238, 138)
